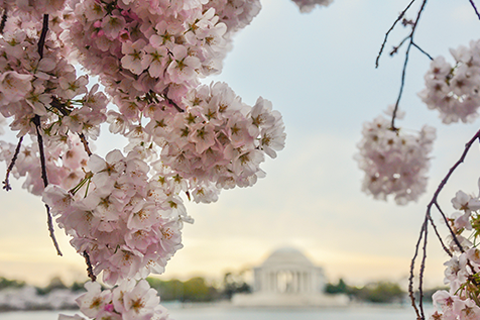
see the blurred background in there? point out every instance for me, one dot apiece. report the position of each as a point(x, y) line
point(318, 69)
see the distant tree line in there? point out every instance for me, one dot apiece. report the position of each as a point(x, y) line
point(198, 289)
point(376, 292)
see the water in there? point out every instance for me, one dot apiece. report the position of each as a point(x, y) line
point(229, 313)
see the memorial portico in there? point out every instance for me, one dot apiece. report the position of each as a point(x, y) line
point(287, 270)
point(288, 278)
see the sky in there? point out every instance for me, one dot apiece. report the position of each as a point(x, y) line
point(318, 69)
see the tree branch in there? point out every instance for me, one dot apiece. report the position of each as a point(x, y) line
point(4, 20)
point(423, 232)
point(412, 270)
point(422, 51)
point(36, 121)
point(6, 183)
point(43, 36)
point(407, 55)
point(90, 273)
point(400, 17)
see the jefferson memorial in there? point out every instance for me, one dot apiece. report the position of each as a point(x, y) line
point(288, 278)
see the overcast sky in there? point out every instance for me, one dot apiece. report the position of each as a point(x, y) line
point(318, 69)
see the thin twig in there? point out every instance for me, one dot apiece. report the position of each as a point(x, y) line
point(475, 8)
point(407, 55)
point(422, 271)
point(52, 231)
point(90, 273)
point(439, 237)
point(400, 17)
point(454, 237)
point(6, 183)
point(412, 270)
point(422, 51)
point(395, 49)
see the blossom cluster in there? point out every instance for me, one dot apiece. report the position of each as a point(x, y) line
point(454, 90)
point(145, 51)
point(65, 161)
point(395, 161)
point(306, 6)
point(44, 84)
point(130, 300)
point(127, 223)
point(463, 268)
point(218, 141)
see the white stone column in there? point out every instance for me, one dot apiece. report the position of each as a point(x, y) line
point(272, 281)
point(265, 281)
point(295, 280)
point(309, 281)
point(275, 281)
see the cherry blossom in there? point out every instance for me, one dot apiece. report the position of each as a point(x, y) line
point(130, 300)
point(306, 6)
point(394, 160)
point(453, 90)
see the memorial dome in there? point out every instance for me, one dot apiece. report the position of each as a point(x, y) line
point(287, 255)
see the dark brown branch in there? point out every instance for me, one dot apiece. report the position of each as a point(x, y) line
point(36, 121)
point(400, 17)
point(475, 8)
point(454, 237)
point(6, 183)
point(43, 36)
point(422, 271)
point(85, 144)
point(4, 20)
point(90, 273)
point(57, 104)
point(439, 237)
point(52, 231)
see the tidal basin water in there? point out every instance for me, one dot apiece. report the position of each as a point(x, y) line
point(229, 313)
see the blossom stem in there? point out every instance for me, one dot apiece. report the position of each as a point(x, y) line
point(6, 183)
